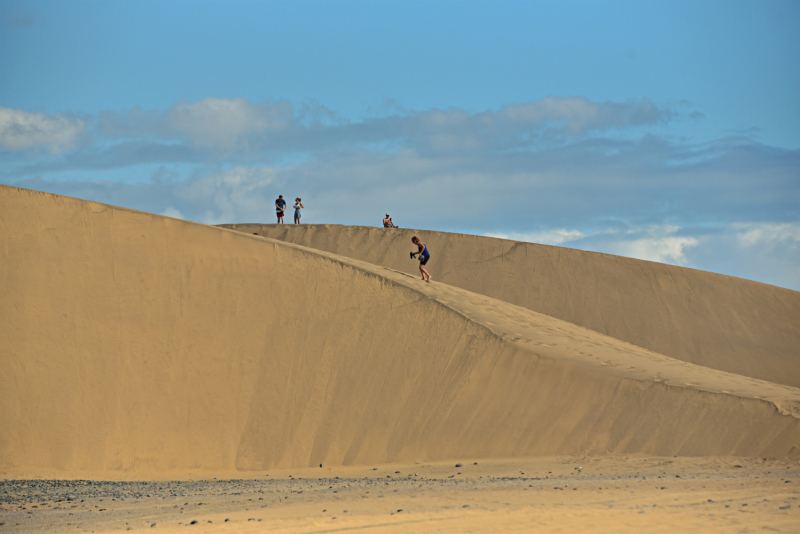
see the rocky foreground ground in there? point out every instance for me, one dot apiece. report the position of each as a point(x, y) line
point(563, 494)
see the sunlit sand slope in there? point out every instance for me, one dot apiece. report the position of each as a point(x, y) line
point(134, 342)
point(713, 320)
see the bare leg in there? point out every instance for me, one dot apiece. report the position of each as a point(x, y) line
point(424, 273)
point(297, 220)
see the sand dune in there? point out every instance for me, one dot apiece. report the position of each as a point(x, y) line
point(712, 320)
point(142, 344)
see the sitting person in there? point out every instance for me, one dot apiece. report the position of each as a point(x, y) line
point(387, 222)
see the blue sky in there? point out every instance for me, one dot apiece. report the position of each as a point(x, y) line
point(667, 131)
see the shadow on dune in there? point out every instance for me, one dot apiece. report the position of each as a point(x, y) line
point(717, 321)
point(135, 343)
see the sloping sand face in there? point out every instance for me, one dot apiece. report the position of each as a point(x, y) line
point(716, 321)
point(134, 343)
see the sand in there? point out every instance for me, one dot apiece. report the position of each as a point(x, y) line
point(610, 494)
point(709, 319)
point(138, 347)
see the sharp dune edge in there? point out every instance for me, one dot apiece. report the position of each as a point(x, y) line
point(138, 343)
point(713, 320)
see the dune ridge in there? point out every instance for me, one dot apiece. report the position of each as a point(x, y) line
point(713, 320)
point(135, 343)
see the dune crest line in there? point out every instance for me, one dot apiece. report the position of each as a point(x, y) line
point(713, 320)
point(135, 343)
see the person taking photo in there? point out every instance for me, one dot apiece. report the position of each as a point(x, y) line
point(423, 256)
point(297, 206)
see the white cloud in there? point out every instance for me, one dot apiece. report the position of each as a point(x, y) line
point(20, 130)
point(563, 167)
point(753, 234)
point(518, 126)
point(173, 212)
point(657, 242)
point(767, 252)
point(239, 195)
point(221, 123)
point(662, 248)
point(548, 237)
point(577, 115)
point(653, 243)
point(239, 126)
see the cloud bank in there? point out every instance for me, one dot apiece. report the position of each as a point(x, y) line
point(604, 176)
point(761, 251)
point(20, 130)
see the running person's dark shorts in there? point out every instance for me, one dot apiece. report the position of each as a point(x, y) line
point(424, 259)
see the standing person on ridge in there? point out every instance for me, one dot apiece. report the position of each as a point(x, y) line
point(297, 206)
point(280, 208)
point(424, 256)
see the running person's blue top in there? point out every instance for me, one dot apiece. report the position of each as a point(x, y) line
point(423, 250)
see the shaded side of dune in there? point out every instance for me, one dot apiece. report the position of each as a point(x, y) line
point(717, 321)
point(138, 343)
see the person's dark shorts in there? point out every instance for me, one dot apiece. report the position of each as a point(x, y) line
point(424, 259)
point(279, 214)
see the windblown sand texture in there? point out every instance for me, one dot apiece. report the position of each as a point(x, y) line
point(716, 321)
point(139, 344)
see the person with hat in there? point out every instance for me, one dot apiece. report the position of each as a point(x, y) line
point(387, 222)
